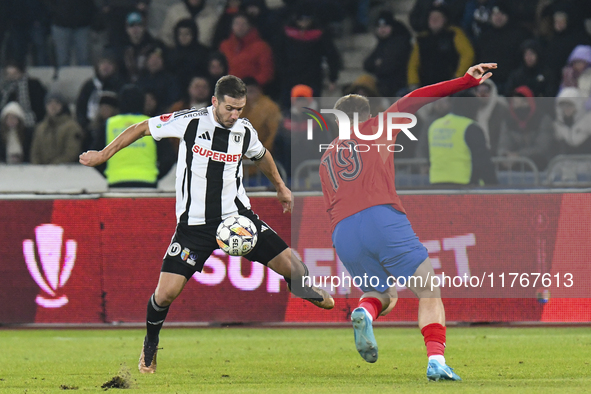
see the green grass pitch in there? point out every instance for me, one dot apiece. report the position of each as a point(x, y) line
point(290, 360)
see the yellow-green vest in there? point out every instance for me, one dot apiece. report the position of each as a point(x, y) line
point(450, 156)
point(136, 163)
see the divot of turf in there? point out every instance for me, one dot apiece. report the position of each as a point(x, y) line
point(121, 381)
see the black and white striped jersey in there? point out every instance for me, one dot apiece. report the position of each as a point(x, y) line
point(212, 190)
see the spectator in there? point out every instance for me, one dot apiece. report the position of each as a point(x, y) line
point(389, 60)
point(248, 55)
point(529, 130)
point(15, 138)
point(262, 112)
point(198, 95)
point(28, 92)
point(531, 73)
point(502, 43)
point(157, 80)
point(217, 67)
point(139, 43)
point(145, 161)
point(302, 48)
point(572, 128)
point(477, 16)
point(108, 106)
point(188, 58)
point(58, 138)
point(106, 78)
point(457, 147)
point(440, 53)
point(425, 118)
point(152, 106)
point(492, 114)
point(29, 24)
point(223, 27)
point(113, 15)
point(560, 46)
point(70, 27)
point(577, 73)
point(258, 13)
point(203, 12)
point(419, 15)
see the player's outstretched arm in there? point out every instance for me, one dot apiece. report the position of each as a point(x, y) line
point(268, 167)
point(416, 99)
point(93, 158)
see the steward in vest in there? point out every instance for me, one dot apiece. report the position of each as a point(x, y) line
point(145, 161)
point(457, 148)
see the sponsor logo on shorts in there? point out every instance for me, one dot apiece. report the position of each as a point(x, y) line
point(174, 249)
point(216, 156)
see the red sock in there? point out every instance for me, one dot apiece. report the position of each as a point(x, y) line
point(434, 335)
point(372, 305)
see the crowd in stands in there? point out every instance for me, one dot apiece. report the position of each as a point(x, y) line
point(537, 105)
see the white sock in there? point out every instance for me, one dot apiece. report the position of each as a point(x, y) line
point(439, 358)
point(368, 314)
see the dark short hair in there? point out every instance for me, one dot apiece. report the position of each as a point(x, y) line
point(352, 103)
point(229, 85)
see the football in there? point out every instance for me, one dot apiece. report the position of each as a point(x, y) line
point(237, 235)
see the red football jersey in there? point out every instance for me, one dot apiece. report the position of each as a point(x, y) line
point(355, 178)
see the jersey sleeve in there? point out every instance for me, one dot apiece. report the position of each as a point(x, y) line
point(167, 125)
point(255, 150)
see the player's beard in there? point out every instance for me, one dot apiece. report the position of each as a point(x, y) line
point(219, 118)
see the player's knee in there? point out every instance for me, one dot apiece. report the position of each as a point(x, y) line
point(165, 297)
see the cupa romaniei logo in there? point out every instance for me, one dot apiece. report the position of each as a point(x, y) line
point(54, 276)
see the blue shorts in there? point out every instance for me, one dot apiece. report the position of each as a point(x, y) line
point(378, 242)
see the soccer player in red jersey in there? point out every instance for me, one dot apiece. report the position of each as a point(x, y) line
point(370, 231)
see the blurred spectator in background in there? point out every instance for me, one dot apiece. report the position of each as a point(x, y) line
point(458, 154)
point(70, 29)
point(531, 73)
point(577, 73)
point(223, 27)
point(529, 130)
point(389, 60)
point(577, 11)
point(262, 112)
point(477, 17)
point(491, 114)
point(28, 28)
point(156, 79)
point(145, 161)
point(106, 78)
point(108, 106)
point(133, 52)
point(366, 85)
point(197, 95)
point(28, 92)
point(419, 15)
point(217, 67)
point(247, 54)
point(442, 52)
point(188, 58)
point(203, 12)
point(301, 50)
point(114, 14)
point(258, 14)
point(58, 138)
point(151, 104)
point(425, 118)
point(15, 138)
point(501, 42)
point(572, 128)
point(560, 46)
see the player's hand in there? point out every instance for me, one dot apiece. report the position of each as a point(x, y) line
point(482, 71)
point(91, 158)
point(284, 197)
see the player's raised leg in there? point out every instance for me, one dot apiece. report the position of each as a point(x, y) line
point(169, 287)
point(432, 322)
point(295, 271)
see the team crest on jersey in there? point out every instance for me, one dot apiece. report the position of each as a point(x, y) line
point(237, 138)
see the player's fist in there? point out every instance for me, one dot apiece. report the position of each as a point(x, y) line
point(91, 158)
point(482, 71)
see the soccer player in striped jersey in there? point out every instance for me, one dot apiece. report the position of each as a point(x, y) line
point(213, 143)
point(370, 231)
